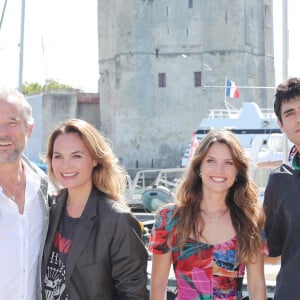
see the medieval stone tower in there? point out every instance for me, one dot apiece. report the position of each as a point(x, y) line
point(156, 58)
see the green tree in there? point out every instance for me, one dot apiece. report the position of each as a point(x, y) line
point(32, 88)
point(50, 84)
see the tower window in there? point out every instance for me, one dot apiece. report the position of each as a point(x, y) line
point(197, 79)
point(190, 3)
point(161, 79)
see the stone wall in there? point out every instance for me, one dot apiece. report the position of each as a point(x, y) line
point(149, 125)
point(50, 109)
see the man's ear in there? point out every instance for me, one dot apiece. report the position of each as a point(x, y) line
point(29, 130)
point(280, 126)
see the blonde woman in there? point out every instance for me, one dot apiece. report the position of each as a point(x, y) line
point(93, 248)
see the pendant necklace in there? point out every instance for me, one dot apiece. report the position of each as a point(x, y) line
point(215, 219)
point(12, 196)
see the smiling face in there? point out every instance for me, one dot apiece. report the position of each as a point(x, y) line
point(13, 132)
point(218, 171)
point(290, 114)
point(72, 162)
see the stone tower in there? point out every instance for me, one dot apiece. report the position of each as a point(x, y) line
point(156, 59)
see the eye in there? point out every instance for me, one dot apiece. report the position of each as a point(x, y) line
point(57, 156)
point(289, 113)
point(209, 160)
point(77, 156)
point(230, 163)
point(13, 123)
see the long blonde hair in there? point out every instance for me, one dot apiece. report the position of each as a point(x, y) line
point(242, 198)
point(108, 176)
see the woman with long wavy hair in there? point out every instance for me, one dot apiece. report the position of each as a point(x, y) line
point(214, 230)
point(94, 247)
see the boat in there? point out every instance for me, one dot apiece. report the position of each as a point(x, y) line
point(156, 196)
point(256, 129)
point(152, 188)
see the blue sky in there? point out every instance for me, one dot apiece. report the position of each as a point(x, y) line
point(61, 42)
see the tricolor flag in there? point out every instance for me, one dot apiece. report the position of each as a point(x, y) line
point(194, 144)
point(231, 89)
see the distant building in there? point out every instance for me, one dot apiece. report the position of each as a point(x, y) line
point(50, 109)
point(155, 59)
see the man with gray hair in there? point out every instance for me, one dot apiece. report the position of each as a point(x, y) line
point(23, 203)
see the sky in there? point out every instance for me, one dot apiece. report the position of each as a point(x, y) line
point(61, 42)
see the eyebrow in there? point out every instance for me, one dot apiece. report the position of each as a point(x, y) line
point(210, 156)
point(74, 152)
point(288, 111)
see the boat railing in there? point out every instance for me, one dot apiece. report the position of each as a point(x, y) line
point(144, 178)
point(267, 112)
point(138, 184)
point(227, 113)
point(222, 113)
point(163, 177)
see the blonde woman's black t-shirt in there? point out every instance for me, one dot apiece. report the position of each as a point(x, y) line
point(55, 279)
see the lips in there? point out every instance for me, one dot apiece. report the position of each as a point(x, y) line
point(68, 175)
point(218, 179)
point(5, 143)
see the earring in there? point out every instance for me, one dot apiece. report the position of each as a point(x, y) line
point(200, 173)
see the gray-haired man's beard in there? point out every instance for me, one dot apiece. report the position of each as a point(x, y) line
point(12, 157)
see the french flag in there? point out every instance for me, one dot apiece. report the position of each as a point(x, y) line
point(231, 89)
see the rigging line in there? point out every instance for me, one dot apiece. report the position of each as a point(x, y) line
point(2, 15)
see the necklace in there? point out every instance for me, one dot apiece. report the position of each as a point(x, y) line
point(19, 184)
point(215, 219)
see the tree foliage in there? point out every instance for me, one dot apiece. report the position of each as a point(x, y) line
point(50, 84)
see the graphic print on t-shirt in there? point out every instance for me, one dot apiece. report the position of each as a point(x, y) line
point(55, 279)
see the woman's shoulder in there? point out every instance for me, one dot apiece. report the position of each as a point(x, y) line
point(169, 208)
point(114, 206)
point(165, 217)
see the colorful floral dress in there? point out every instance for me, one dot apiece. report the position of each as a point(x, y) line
point(208, 272)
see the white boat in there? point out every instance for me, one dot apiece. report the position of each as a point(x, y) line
point(256, 129)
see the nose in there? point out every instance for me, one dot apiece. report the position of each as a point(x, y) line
point(64, 163)
point(298, 116)
point(219, 167)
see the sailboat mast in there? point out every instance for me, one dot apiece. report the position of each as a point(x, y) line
point(21, 46)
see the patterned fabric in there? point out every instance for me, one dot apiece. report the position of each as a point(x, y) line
point(202, 271)
point(55, 279)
